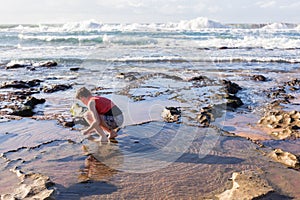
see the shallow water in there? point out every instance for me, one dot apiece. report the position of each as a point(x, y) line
point(121, 170)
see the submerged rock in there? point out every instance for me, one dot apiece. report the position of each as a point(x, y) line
point(50, 63)
point(171, 114)
point(24, 111)
point(130, 76)
point(32, 186)
point(55, 88)
point(286, 158)
point(21, 84)
point(258, 78)
point(30, 65)
point(233, 101)
point(17, 64)
point(230, 87)
point(246, 185)
point(206, 116)
point(32, 102)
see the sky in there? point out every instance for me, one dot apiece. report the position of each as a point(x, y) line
point(148, 11)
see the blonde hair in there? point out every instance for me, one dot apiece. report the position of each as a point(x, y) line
point(83, 92)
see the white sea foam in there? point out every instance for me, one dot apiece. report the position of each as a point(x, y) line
point(276, 26)
point(82, 26)
point(50, 38)
point(199, 23)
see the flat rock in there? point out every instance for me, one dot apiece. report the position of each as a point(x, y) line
point(246, 185)
point(286, 158)
point(282, 124)
point(31, 186)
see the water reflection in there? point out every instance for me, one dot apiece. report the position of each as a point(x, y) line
point(102, 162)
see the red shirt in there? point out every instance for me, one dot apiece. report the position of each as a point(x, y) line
point(103, 105)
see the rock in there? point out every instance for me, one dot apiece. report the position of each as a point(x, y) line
point(74, 69)
point(32, 102)
point(171, 114)
point(21, 84)
point(233, 101)
point(246, 185)
point(31, 186)
point(199, 78)
point(283, 124)
point(68, 124)
point(286, 158)
point(138, 98)
point(130, 76)
point(258, 78)
point(46, 64)
point(55, 88)
point(25, 111)
point(205, 117)
point(200, 81)
point(230, 87)
point(209, 114)
point(17, 64)
point(293, 83)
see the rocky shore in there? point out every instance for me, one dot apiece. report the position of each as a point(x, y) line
point(244, 163)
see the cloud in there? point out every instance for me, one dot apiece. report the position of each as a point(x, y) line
point(266, 4)
point(295, 5)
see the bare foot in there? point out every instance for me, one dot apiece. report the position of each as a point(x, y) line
point(112, 135)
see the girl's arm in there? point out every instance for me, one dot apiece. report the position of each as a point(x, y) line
point(95, 120)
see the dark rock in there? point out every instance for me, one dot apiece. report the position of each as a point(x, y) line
point(294, 82)
point(198, 78)
point(230, 87)
point(55, 88)
point(204, 118)
point(32, 102)
point(201, 81)
point(258, 78)
point(74, 68)
point(130, 76)
point(224, 47)
point(233, 101)
point(25, 111)
point(69, 124)
point(21, 84)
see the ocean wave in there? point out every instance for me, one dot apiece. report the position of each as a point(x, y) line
point(187, 59)
point(198, 24)
point(251, 42)
point(63, 38)
point(279, 26)
point(192, 25)
point(82, 26)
